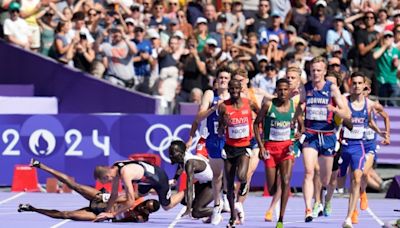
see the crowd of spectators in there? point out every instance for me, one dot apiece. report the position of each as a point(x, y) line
point(173, 48)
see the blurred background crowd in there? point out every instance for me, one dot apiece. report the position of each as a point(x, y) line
point(172, 48)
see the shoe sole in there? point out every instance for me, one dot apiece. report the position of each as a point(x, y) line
point(309, 219)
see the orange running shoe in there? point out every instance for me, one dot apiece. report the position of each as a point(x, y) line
point(363, 201)
point(268, 216)
point(309, 215)
point(354, 217)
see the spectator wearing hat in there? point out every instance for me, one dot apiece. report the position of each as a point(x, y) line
point(201, 32)
point(383, 20)
point(274, 53)
point(339, 36)
point(173, 26)
point(118, 57)
point(142, 60)
point(29, 11)
point(387, 62)
point(184, 25)
point(298, 14)
point(291, 35)
point(213, 58)
point(16, 30)
point(367, 39)
point(302, 53)
point(158, 19)
point(130, 28)
point(266, 81)
point(276, 29)
point(316, 28)
point(173, 8)
point(156, 48)
point(336, 64)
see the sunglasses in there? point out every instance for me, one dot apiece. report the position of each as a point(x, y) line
point(370, 18)
point(14, 11)
point(334, 65)
point(367, 89)
point(92, 14)
point(173, 3)
point(264, 5)
point(387, 36)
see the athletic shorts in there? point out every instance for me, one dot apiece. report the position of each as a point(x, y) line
point(323, 143)
point(253, 143)
point(160, 184)
point(370, 147)
point(353, 154)
point(214, 147)
point(278, 152)
point(336, 159)
point(233, 152)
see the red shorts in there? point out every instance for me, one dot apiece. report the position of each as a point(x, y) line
point(201, 147)
point(278, 152)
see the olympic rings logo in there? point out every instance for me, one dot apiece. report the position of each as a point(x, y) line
point(166, 141)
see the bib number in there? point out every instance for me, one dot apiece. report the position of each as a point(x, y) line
point(369, 134)
point(317, 113)
point(279, 134)
point(356, 133)
point(239, 132)
point(216, 124)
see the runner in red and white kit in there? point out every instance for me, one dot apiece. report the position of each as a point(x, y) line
point(235, 120)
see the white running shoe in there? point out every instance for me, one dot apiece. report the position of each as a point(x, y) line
point(240, 212)
point(216, 216)
point(225, 203)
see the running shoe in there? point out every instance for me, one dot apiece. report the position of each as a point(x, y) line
point(354, 217)
point(363, 201)
point(34, 163)
point(225, 203)
point(347, 224)
point(279, 225)
point(268, 216)
point(24, 207)
point(318, 210)
point(231, 223)
point(309, 216)
point(207, 220)
point(240, 212)
point(327, 209)
point(243, 189)
point(216, 216)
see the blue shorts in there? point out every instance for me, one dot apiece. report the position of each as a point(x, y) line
point(214, 147)
point(253, 143)
point(370, 146)
point(353, 154)
point(324, 144)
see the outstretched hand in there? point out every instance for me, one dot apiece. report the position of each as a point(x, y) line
point(103, 216)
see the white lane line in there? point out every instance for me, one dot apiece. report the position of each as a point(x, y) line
point(378, 220)
point(177, 218)
point(12, 197)
point(61, 223)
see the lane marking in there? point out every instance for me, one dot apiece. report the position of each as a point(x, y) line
point(177, 218)
point(12, 197)
point(61, 223)
point(378, 220)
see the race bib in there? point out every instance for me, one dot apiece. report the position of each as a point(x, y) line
point(216, 124)
point(369, 134)
point(279, 134)
point(316, 113)
point(356, 133)
point(238, 131)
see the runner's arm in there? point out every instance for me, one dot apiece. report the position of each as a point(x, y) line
point(223, 119)
point(204, 111)
point(342, 109)
point(256, 125)
point(379, 110)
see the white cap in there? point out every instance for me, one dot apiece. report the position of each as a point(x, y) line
point(274, 38)
point(153, 34)
point(388, 32)
point(212, 41)
point(395, 12)
point(262, 58)
point(130, 20)
point(179, 34)
point(201, 20)
point(322, 3)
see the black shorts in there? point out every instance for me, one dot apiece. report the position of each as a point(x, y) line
point(97, 207)
point(336, 158)
point(233, 152)
point(158, 182)
point(198, 189)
